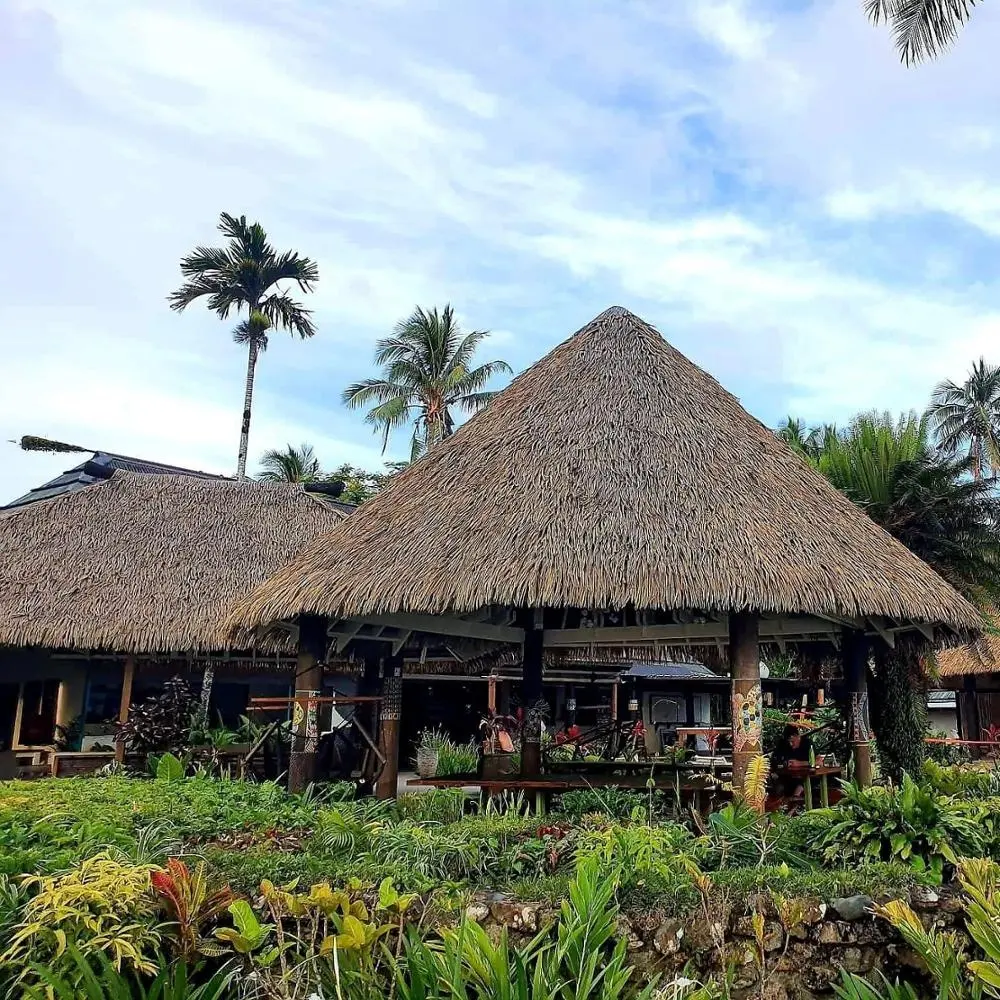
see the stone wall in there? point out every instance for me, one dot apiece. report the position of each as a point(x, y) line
point(806, 942)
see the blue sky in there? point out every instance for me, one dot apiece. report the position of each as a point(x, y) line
point(812, 223)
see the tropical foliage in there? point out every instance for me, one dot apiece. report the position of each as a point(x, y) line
point(293, 465)
point(247, 273)
point(165, 888)
point(921, 29)
point(428, 373)
point(930, 500)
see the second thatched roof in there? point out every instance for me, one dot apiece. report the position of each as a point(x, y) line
point(613, 472)
point(147, 563)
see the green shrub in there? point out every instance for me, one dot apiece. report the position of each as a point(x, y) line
point(909, 824)
point(964, 781)
point(826, 883)
point(616, 803)
point(736, 836)
point(439, 805)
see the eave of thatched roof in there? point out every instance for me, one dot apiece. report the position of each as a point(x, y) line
point(614, 472)
point(146, 563)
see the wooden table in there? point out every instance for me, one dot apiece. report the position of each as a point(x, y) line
point(806, 774)
point(699, 788)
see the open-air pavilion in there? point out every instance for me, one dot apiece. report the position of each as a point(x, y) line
point(614, 502)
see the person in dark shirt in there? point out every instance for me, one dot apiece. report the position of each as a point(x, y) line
point(794, 749)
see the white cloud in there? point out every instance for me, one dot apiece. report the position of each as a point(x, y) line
point(724, 168)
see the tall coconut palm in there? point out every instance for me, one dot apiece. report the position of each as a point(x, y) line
point(967, 416)
point(247, 273)
point(922, 28)
point(427, 373)
point(293, 465)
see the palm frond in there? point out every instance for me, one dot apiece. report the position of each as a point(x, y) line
point(922, 29)
point(284, 312)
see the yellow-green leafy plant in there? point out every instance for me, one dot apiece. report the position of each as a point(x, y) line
point(99, 906)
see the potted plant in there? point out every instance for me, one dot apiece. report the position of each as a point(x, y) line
point(428, 753)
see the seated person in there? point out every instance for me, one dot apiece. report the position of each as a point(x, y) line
point(793, 751)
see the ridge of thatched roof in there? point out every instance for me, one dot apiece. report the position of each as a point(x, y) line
point(612, 472)
point(146, 563)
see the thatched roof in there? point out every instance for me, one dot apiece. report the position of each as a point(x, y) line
point(146, 563)
point(981, 656)
point(613, 472)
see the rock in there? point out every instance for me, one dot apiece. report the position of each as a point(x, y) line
point(853, 907)
point(924, 898)
point(829, 933)
point(853, 960)
point(813, 910)
point(516, 916)
point(774, 937)
point(743, 927)
point(477, 912)
point(667, 939)
point(799, 932)
point(624, 929)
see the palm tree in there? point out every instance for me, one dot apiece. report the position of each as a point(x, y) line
point(933, 506)
point(248, 271)
point(426, 374)
point(293, 465)
point(969, 415)
point(922, 28)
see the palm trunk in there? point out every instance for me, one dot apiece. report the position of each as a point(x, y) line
point(241, 463)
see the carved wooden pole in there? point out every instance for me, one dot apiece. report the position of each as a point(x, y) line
point(744, 665)
point(388, 739)
point(531, 695)
point(308, 687)
point(854, 648)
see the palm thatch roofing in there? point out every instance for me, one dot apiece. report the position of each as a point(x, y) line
point(613, 473)
point(147, 563)
point(982, 656)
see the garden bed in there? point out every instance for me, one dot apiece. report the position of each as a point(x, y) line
point(733, 895)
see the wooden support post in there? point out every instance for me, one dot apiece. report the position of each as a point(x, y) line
point(308, 686)
point(970, 724)
point(128, 678)
point(854, 647)
point(368, 686)
point(614, 700)
point(491, 694)
point(744, 665)
point(531, 695)
point(388, 737)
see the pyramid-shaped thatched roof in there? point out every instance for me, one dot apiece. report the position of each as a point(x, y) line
point(613, 472)
point(147, 563)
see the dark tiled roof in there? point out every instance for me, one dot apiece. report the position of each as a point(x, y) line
point(672, 672)
point(940, 699)
point(101, 466)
